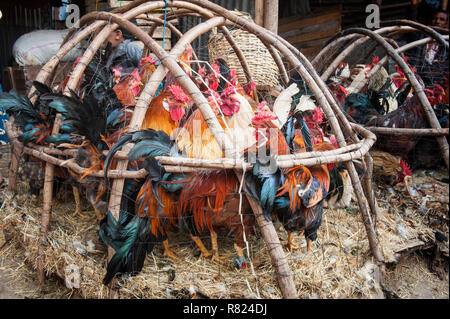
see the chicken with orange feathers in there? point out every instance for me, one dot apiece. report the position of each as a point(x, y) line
point(233, 109)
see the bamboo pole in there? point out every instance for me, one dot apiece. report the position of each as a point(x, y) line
point(337, 40)
point(259, 12)
point(408, 131)
point(16, 154)
point(342, 55)
point(200, 162)
point(121, 9)
point(185, 165)
point(46, 209)
point(271, 15)
point(402, 25)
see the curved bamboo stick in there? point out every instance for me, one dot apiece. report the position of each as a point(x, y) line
point(408, 131)
point(16, 154)
point(401, 49)
point(408, 26)
point(338, 39)
point(349, 49)
point(158, 21)
point(82, 22)
point(420, 27)
point(431, 116)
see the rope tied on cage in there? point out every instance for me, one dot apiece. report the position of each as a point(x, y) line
point(164, 39)
point(240, 262)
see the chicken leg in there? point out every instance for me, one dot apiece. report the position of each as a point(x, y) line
point(215, 248)
point(205, 253)
point(308, 244)
point(290, 244)
point(76, 195)
point(169, 252)
point(78, 212)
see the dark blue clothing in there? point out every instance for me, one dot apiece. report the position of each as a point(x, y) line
point(128, 55)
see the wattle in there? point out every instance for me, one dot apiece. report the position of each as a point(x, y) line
point(177, 113)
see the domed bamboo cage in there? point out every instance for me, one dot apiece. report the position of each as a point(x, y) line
point(353, 140)
point(346, 42)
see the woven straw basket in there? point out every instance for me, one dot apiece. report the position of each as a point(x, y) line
point(261, 64)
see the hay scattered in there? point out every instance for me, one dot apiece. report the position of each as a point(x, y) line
point(339, 266)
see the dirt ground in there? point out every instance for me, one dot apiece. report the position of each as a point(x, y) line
point(409, 279)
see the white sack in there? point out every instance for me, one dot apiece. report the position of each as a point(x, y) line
point(37, 47)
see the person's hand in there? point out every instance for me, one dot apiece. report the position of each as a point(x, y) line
point(415, 3)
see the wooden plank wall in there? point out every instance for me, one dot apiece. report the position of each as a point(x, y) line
point(309, 32)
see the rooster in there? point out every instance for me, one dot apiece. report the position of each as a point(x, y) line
point(128, 87)
point(295, 195)
point(389, 169)
point(147, 67)
point(408, 115)
point(90, 127)
point(157, 196)
point(34, 122)
point(130, 236)
point(211, 201)
point(172, 104)
point(233, 110)
point(166, 110)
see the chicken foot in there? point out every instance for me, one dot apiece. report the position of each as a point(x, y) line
point(290, 242)
point(169, 252)
point(215, 248)
point(78, 212)
point(204, 253)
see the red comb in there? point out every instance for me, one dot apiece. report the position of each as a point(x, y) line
point(263, 116)
point(261, 105)
point(147, 60)
point(178, 93)
point(318, 115)
point(216, 68)
point(439, 88)
point(406, 168)
point(343, 89)
point(136, 75)
point(202, 71)
point(229, 90)
point(233, 77)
